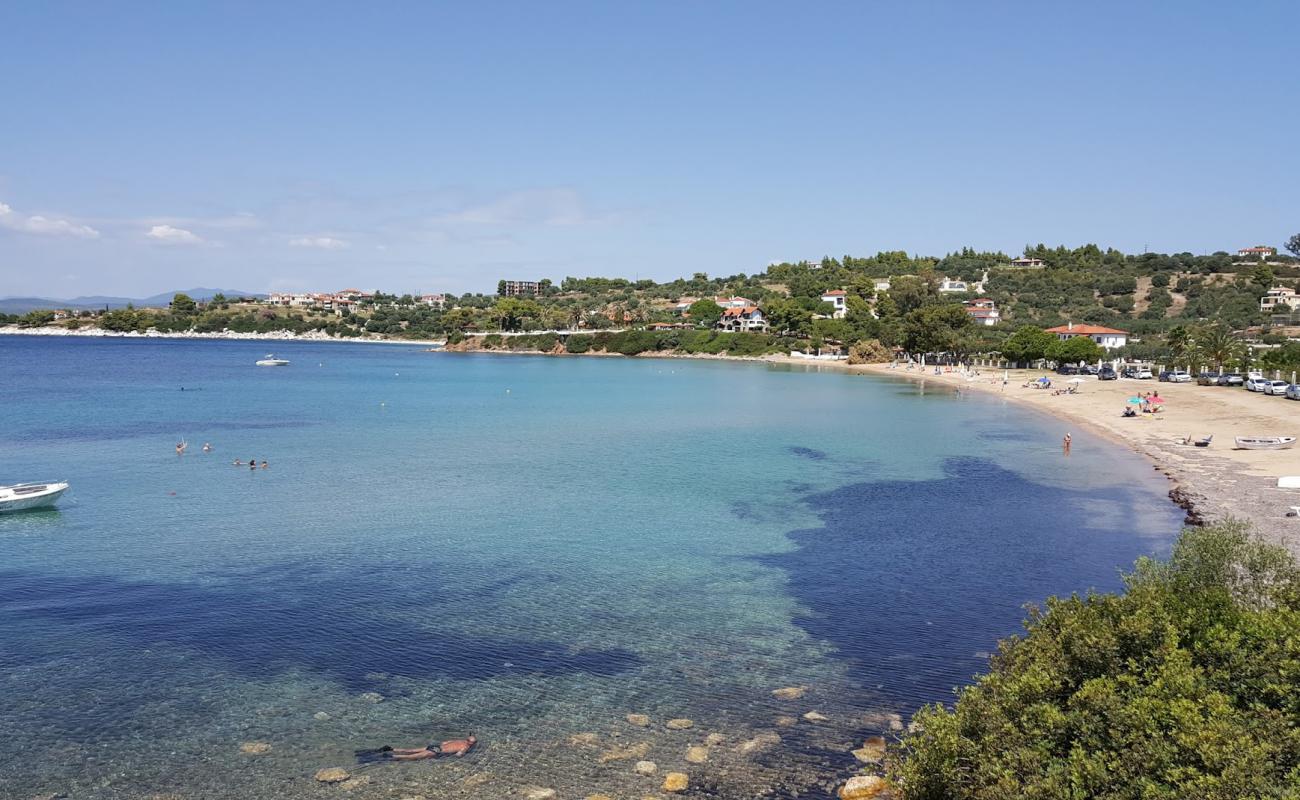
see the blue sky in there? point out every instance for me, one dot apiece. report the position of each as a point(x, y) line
point(421, 146)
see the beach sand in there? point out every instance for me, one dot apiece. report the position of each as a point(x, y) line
point(1214, 483)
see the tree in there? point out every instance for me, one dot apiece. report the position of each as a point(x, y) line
point(1217, 345)
point(1181, 687)
point(934, 328)
point(1179, 342)
point(501, 288)
point(1262, 276)
point(1028, 343)
point(1074, 350)
point(36, 318)
point(1293, 245)
point(183, 304)
point(510, 312)
point(219, 299)
point(869, 351)
point(705, 312)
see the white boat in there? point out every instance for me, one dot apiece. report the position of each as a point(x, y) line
point(24, 496)
point(272, 361)
point(1264, 442)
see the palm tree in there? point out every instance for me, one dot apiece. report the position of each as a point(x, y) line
point(1216, 344)
point(1179, 341)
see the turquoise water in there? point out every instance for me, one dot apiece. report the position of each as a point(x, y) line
point(525, 548)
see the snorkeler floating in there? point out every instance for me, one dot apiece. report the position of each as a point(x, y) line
point(451, 747)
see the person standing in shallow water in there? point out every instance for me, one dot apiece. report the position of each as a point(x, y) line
point(1065, 443)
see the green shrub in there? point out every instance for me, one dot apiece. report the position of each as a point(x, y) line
point(492, 341)
point(579, 343)
point(1187, 685)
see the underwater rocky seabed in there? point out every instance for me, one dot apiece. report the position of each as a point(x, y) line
point(432, 555)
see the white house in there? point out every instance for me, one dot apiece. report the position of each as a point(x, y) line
point(1027, 263)
point(950, 286)
point(434, 300)
point(733, 302)
point(839, 299)
point(1280, 296)
point(881, 284)
point(749, 318)
point(1258, 251)
point(1108, 338)
point(984, 312)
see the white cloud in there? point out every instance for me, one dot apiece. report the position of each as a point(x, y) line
point(319, 242)
point(171, 235)
point(43, 226)
point(559, 206)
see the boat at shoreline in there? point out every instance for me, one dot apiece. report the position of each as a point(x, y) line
point(272, 361)
point(1264, 442)
point(28, 496)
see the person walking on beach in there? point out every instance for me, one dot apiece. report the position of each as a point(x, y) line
point(1065, 443)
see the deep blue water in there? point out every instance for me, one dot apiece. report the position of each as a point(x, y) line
point(523, 547)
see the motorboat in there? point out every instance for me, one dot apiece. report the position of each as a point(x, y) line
point(272, 361)
point(1264, 442)
point(25, 496)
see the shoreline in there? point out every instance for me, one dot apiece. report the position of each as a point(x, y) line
point(1210, 484)
point(270, 336)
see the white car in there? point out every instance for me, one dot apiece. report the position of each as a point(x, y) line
point(1178, 376)
point(1143, 374)
point(1255, 383)
point(1276, 388)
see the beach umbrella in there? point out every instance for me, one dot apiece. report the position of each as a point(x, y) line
point(1075, 380)
point(1155, 401)
point(1137, 401)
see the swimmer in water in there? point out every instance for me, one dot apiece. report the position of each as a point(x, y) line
point(451, 747)
point(207, 447)
point(180, 448)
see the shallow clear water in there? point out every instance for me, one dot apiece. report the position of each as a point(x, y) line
point(526, 548)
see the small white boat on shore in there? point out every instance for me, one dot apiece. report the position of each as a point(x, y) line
point(1264, 442)
point(272, 361)
point(26, 496)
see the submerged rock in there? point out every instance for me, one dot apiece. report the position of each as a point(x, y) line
point(646, 768)
point(815, 717)
point(332, 775)
point(697, 754)
point(372, 697)
point(714, 739)
point(254, 748)
point(790, 692)
point(584, 740)
point(679, 724)
point(872, 750)
point(864, 787)
point(597, 797)
point(763, 741)
point(539, 794)
point(320, 716)
point(639, 720)
point(620, 753)
point(676, 782)
point(786, 722)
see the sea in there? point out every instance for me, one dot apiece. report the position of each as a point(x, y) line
point(528, 549)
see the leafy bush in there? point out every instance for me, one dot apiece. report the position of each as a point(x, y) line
point(1185, 686)
point(578, 343)
point(870, 351)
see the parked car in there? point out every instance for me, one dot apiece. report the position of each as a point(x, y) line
point(1207, 379)
point(1090, 369)
point(1067, 369)
point(1178, 376)
point(1143, 374)
point(1231, 379)
point(1164, 376)
point(1255, 383)
point(1275, 388)
point(1293, 391)
point(1107, 373)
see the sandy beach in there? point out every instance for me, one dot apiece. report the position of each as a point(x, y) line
point(1217, 482)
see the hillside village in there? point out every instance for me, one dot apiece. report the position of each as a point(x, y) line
point(1139, 306)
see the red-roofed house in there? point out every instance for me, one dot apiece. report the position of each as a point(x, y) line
point(749, 318)
point(837, 298)
point(1108, 338)
point(1258, 251)
point(983, 311)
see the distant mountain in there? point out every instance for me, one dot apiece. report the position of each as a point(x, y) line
point(21, 305)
